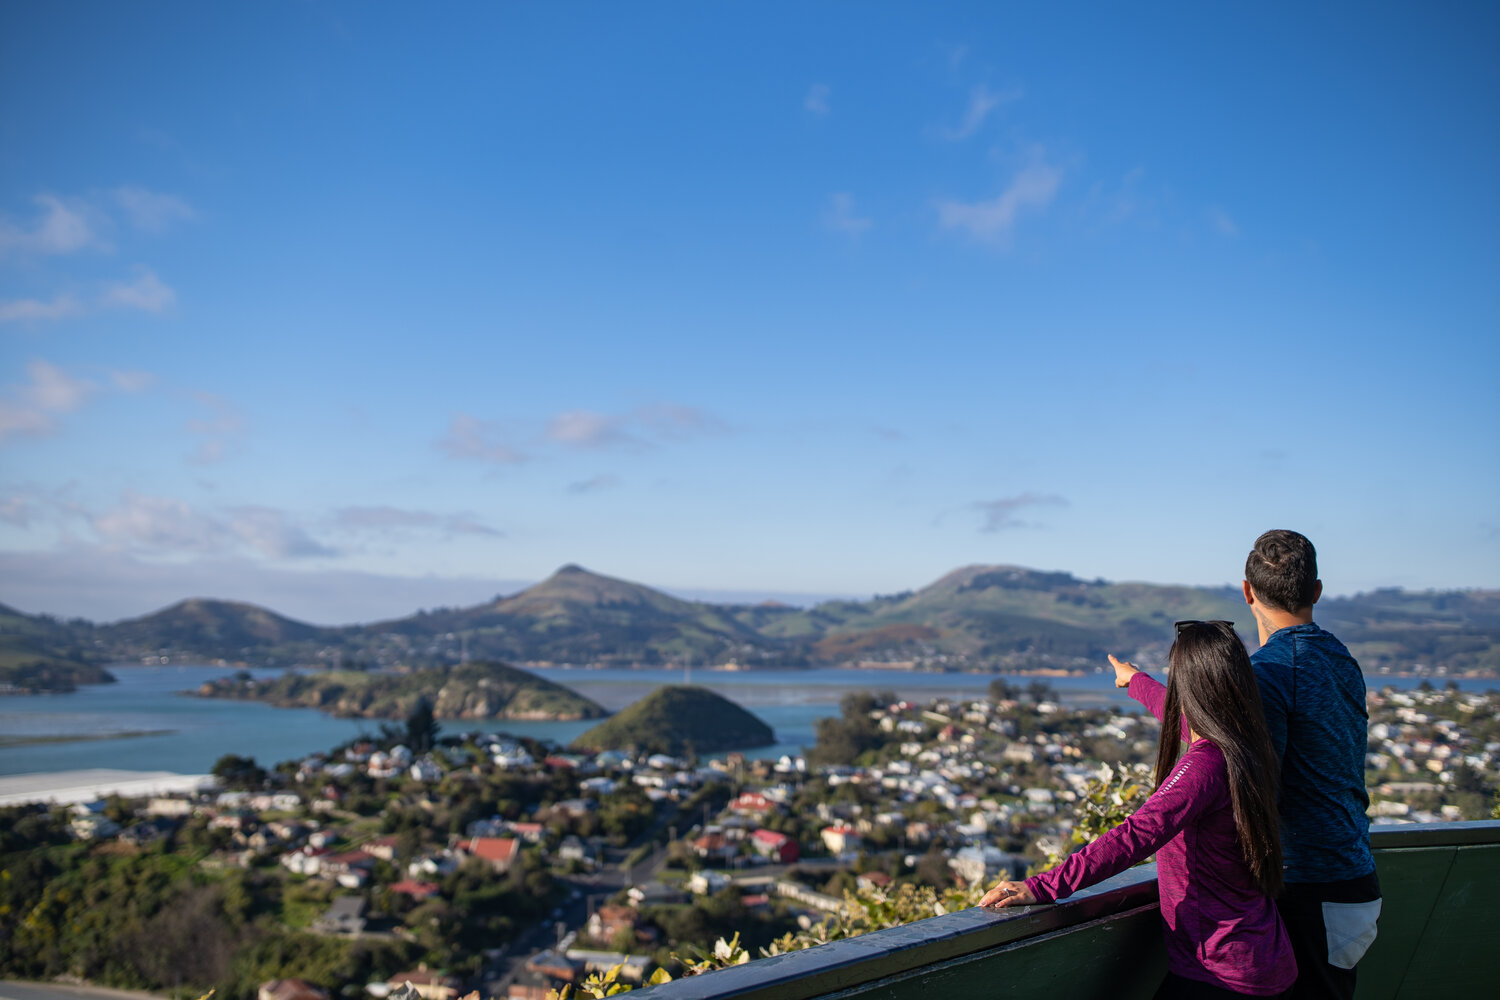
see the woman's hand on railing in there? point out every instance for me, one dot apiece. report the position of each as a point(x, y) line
point(1124, 670)
point(1007, 893)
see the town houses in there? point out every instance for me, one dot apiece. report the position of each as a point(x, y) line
point(637, 856)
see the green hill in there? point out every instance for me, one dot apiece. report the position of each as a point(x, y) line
point(678, 718)
point(41, 654)
point(208, 629)
point(465, 691)
point(576, 616)
point(1009, 618)
point(992, 618)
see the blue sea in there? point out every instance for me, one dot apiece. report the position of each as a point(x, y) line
point(188, 734)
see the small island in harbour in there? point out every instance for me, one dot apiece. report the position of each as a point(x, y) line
point(480, 690)
point(677, 718)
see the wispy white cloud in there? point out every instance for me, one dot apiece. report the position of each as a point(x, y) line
point(587, 429)
point(35, 310)
point(470, 437)
point(160, 524)
point(1112, 204)
point(1221, 221)
point(168, 526)
point(817, 97)
point(1003, 514)
point(32, 409)
point(672, 420)
point(273, 533)
point(1032, 188)
point(61, 227)
point(146, 292)
point(385, 519)
point(151, 211)
point(219, 431)
point(17, 510)
point(982, 101)
point(840, 215)
point(641, 428)
point(132, 381)
point(595, 484)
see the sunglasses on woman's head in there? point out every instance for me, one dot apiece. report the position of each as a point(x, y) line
point(1187, 623)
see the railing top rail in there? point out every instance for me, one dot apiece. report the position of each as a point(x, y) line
point(1386, 835)
point(845, 963)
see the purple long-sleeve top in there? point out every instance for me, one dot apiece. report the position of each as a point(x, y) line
point(1219, 927)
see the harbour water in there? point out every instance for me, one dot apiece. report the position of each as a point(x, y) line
point(144, 723)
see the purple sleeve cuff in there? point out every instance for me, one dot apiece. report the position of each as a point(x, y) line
point(1040, 889)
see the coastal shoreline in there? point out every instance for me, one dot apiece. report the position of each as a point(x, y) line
point(72, 787)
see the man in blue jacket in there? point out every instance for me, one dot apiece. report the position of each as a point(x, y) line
point(1314, 698)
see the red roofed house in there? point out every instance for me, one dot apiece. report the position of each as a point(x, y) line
point(529, 832)
point(777, 846)
point(415, 889)
point(714, 846)
point(608, 921)
point(498, 851)
point(753, 802)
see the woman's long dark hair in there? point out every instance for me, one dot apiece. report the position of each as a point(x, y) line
point(1212, 686)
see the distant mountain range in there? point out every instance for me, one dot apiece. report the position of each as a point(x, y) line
point(976, 618)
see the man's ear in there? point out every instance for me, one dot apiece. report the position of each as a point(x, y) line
point(1317, 590)
point(1249, 594)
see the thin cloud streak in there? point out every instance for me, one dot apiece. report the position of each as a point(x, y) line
point(982, 101)
point(595, 484)
point(64, 227)
point(472, 438)
point(396, 520)
point(145, 292)
point(221, 430)
point(1221, 222)
point(1001, 515)
point(816, 100)
point(1033, 188)
point(35, 310)
point(32, 409)
point(841, 217)
point(167, 526)
point(150, 211)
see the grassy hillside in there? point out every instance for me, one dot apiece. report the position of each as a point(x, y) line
point(40, 654)
point(678, 718)
point(576, 616)
point(1008, 617)
point(466, 691)
point(1005, 618)
point(208, 629)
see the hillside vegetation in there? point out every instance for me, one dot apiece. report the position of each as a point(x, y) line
point(466, 691)
point(40, 654)
point(676, 719)
point(991, 618)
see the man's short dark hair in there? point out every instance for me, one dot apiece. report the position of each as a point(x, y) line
point(1283, 570)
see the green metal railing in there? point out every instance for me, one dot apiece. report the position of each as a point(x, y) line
point(1439, 928)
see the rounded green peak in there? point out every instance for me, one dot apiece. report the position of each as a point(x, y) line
point(677, 718)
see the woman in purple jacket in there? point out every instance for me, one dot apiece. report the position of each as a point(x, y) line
point(1211, 824)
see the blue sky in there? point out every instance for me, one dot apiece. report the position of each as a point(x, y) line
point(349, 309)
